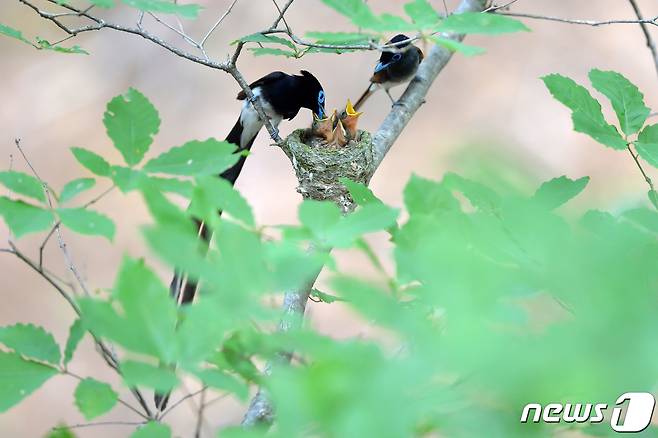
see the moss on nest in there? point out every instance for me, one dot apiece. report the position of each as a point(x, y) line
point(319, 167)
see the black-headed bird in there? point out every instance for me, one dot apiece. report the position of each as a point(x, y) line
point(394, 68)
point(281, 96)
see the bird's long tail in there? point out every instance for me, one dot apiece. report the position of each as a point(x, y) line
point(183, 289)
point(366, 94)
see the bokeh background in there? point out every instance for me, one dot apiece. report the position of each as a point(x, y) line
point(480, 110)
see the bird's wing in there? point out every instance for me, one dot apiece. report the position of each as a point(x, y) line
point(267, 79)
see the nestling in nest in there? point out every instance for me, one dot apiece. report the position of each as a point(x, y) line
point(335, 131)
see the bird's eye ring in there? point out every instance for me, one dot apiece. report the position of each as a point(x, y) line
point(397, 56)
point(321, 97)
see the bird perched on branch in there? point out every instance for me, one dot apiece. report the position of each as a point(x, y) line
point(282, 96)
point(395, 67)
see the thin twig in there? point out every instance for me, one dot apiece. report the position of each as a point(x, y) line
point(185, 397)
point(217, 23)
point(493, 8)
point(639, 165)
point(650, 42)
point(199, 416)
point(99, 423)
point(653, 21)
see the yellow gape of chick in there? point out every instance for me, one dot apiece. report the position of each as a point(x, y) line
point(336, 130)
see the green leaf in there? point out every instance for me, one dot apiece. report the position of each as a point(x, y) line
point(367, 219)
point(214, 193)
point(76, 333)
point(88, 222)
point(45, 45)
point(223, 381)
point(647, 144)
point(319, 216)
point(31, 342)
point(558, 191)
point(23, 184)
point(476, 22)
point(131, 122)
point(586, 111)
point(22, 218)
point(422, 13)
point(61, 432)
point(361, 194)
point(143, 374)
point(456, 46)
point(653, 197)
point(625, 97)
point(94, 398)
point(166, 7)
point(93, 162)
point(195, 158)
point(14, 33)
point(128, 179)
point(260, 38)
point(324, 297)
point(356, 10)
point(146, 307)
point(423, 196)
point(152, 430)
point(342, 38)
point(19, 378)
point(75, 187)
point(260, 51)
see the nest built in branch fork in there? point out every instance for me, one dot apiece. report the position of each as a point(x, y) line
point(319, 169)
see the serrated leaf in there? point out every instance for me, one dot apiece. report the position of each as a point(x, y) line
point(361, 194)
point(342, 38)
point(558, 191)
point(131, 122)
point(260, 51)
point(367, 219)
point(355, 10)
point(146, 307)
point(422, 13)
point(22, 218)
point(31, 342)
point(625, 97)
point(76, 333)
point(423, 196)
point(75, 187)
point(647, 144)
point(45, 45)
point(212, 194)
point(142, 374)
point(457, 46)
point(476, 22)
point(166, 7)
point(23, 184)
point(152, 430)
point(94, 398)
point(128, 179)
point(88, 222)
point(195, 158)
point(19, 378)
point(319, 216)
point(14, 33)
point(92, 161)
point(260, 38)
point(586, 111)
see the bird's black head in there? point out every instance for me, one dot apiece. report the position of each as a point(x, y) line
point(312, 96)
point(395, 55)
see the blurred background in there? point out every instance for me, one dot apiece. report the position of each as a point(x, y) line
point(490, 107)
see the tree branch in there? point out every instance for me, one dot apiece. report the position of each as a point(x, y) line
point(294, 305)
point(650, 43)
point(594, 23)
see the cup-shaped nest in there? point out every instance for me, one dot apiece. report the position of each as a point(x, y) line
point(319, 169)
